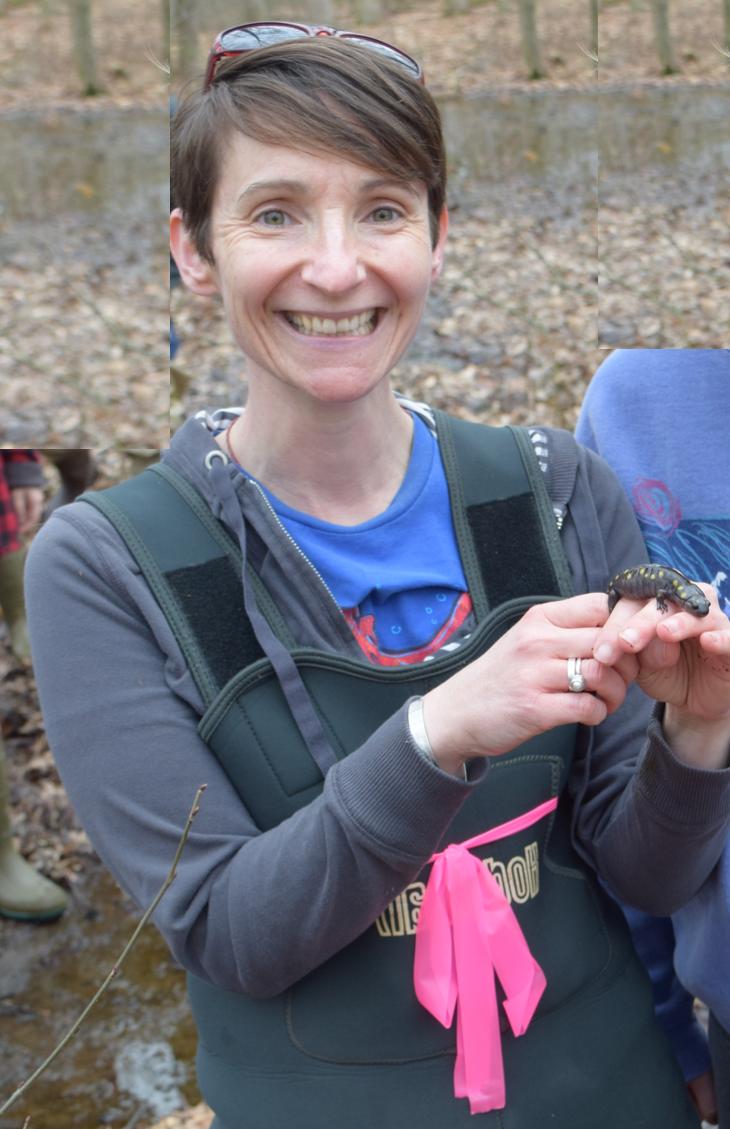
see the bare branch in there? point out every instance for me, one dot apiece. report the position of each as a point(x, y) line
point(164, 67)
point(589, 54)
point(117, 965)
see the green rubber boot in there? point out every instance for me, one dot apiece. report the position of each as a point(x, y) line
point(24, 893)
point(12, 603)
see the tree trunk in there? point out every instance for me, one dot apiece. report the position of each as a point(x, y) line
point(84, 46)
point(165, 31)
point(530, 46)
point(594, 5)
point(187, 63)
point(664, 36)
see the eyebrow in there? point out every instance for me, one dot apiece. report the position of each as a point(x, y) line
point(388, 182)
point(285, 185)
point(272, 186)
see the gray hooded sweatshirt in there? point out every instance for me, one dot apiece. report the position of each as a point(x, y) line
point(255, 911)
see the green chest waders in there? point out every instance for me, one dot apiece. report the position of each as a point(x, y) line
point(349, 1046)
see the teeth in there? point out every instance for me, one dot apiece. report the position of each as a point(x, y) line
point(358, 326)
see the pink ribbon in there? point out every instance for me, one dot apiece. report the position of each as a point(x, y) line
point(466, 932)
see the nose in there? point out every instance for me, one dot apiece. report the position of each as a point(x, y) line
point(333, 263)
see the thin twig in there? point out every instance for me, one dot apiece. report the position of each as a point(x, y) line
point(588, 53)
point(164, 67)
point(115, 968)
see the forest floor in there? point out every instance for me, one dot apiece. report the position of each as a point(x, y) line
point(84, 321)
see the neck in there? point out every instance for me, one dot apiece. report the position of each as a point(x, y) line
point(342, 463)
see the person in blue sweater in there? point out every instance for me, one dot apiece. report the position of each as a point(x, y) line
point(659, 418)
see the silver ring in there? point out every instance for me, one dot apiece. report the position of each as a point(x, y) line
point(576, 682)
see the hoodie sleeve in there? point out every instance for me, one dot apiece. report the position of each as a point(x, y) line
point(248, 911)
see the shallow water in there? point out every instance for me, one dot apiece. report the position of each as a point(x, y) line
point(109, 164)
point(566, 136)
point(133, 1055)
point(115, 164)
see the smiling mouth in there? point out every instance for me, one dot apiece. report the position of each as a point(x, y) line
point(359, 325)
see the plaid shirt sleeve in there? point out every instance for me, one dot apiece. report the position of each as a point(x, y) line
point(17, 469)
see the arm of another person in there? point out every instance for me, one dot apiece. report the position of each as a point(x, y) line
point(653, 820)
point(248, 911)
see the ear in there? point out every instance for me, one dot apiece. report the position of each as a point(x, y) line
point(197, 273)
point(437, 260)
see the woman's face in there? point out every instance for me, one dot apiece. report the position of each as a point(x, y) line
point(323, 265)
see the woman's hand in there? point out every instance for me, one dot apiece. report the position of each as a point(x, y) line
point(519, 687)
point(684, 661)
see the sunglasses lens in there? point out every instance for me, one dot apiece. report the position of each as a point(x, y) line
point(387, 51)
point(263, 35)
point(248, 37)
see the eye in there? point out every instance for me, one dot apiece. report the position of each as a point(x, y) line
point(273, 217)
point(385, 213)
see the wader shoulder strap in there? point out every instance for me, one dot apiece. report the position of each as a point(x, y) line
point(503, 515)
point(193, 569)
point(503, 518)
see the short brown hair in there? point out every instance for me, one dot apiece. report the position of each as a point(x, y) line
point(319, 95)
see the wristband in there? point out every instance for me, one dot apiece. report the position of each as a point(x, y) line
point(419, 734)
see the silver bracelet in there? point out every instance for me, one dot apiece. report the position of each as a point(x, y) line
point(419, 734)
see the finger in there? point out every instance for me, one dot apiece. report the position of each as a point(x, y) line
point(600, 679)
point(628, 629)
point(683, 625)
point(658, 655)
point(587, 610)
point(577, 643)
point(627, 666)
point(575, 709)
point(608, 647)
point(717, 642)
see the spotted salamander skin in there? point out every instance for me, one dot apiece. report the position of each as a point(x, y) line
point(665, 583)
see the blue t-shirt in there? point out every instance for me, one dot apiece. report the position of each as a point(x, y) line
point(397, 577)
point(661, 418)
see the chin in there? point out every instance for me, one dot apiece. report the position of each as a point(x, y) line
point(339, 387)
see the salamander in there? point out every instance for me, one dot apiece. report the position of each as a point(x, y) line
point(661, 581)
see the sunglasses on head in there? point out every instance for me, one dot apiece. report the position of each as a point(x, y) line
point(249, 37)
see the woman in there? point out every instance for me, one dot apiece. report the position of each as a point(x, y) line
point(334, 609)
